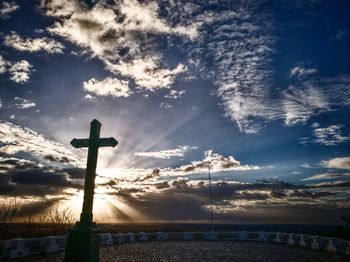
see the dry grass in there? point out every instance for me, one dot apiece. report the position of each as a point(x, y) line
point(55, 222)
point(8, 211)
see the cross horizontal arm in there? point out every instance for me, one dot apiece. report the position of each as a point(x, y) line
point(102, 142)
point(77, 143)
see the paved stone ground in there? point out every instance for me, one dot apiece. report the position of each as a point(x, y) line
point(204, 251)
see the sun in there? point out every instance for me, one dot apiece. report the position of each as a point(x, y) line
point(106, 208)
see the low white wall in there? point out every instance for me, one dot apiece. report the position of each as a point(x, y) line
point(18, 247)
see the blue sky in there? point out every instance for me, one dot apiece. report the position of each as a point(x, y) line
point(257, 89)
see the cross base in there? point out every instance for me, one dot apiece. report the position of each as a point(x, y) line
point(83, 243)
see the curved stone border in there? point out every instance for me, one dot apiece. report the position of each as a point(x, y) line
point(18, 247)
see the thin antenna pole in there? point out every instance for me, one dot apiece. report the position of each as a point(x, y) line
point(211, 201)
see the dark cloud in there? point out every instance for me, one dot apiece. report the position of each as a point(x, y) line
point(8, 162)
point(61, 159)
point(162, 185)
point(233, 201)
point(36, 182)
point(127, 193)
point(109, 183)
point(5, 186)
point(39, 177)
point(75, 172)
point(155, 173)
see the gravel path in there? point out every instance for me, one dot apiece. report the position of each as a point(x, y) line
point(204, 251)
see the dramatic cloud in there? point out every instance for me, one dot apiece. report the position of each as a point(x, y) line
point(23, 103)
point(180, 151)
point(328, 136)
point(108, 87)
point(120, 35)
point(37, 182)
point(26, 169)
point(20, 71)
point(238, 41)
point(32, 165)
point(300, 72)
point(7, 7)
point(231, 200)
point(43, 44)
point(217, 163)
point(23, 143)
point(338, 162)
point(40, 177)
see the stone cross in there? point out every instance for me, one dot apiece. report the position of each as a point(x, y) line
point(93, 143)
point(83, 241)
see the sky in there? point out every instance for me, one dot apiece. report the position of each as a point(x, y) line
point(257, 91)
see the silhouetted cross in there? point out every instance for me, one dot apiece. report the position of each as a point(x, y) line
point(93, 143)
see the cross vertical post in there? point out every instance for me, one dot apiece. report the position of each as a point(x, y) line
point(82, 240)
point(86, 214)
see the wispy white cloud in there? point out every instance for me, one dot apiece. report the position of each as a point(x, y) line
point(339, 35)
point(309, 97)
point(43, 44)
point(165, 105)
point(238, 42)
point(108, 87)
point(315, 125)
point(7, 7)
point(147, 14)
point(23, 103)
point(147, 73)
point(328, 136)
point(300, 71)
point(118, 35)
point(241, 50)
point(338, 162)
point(300, 104)
point(327, 176)
point(3, 65)
point(179, 151)
point(174, 94)
point(20, 71)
